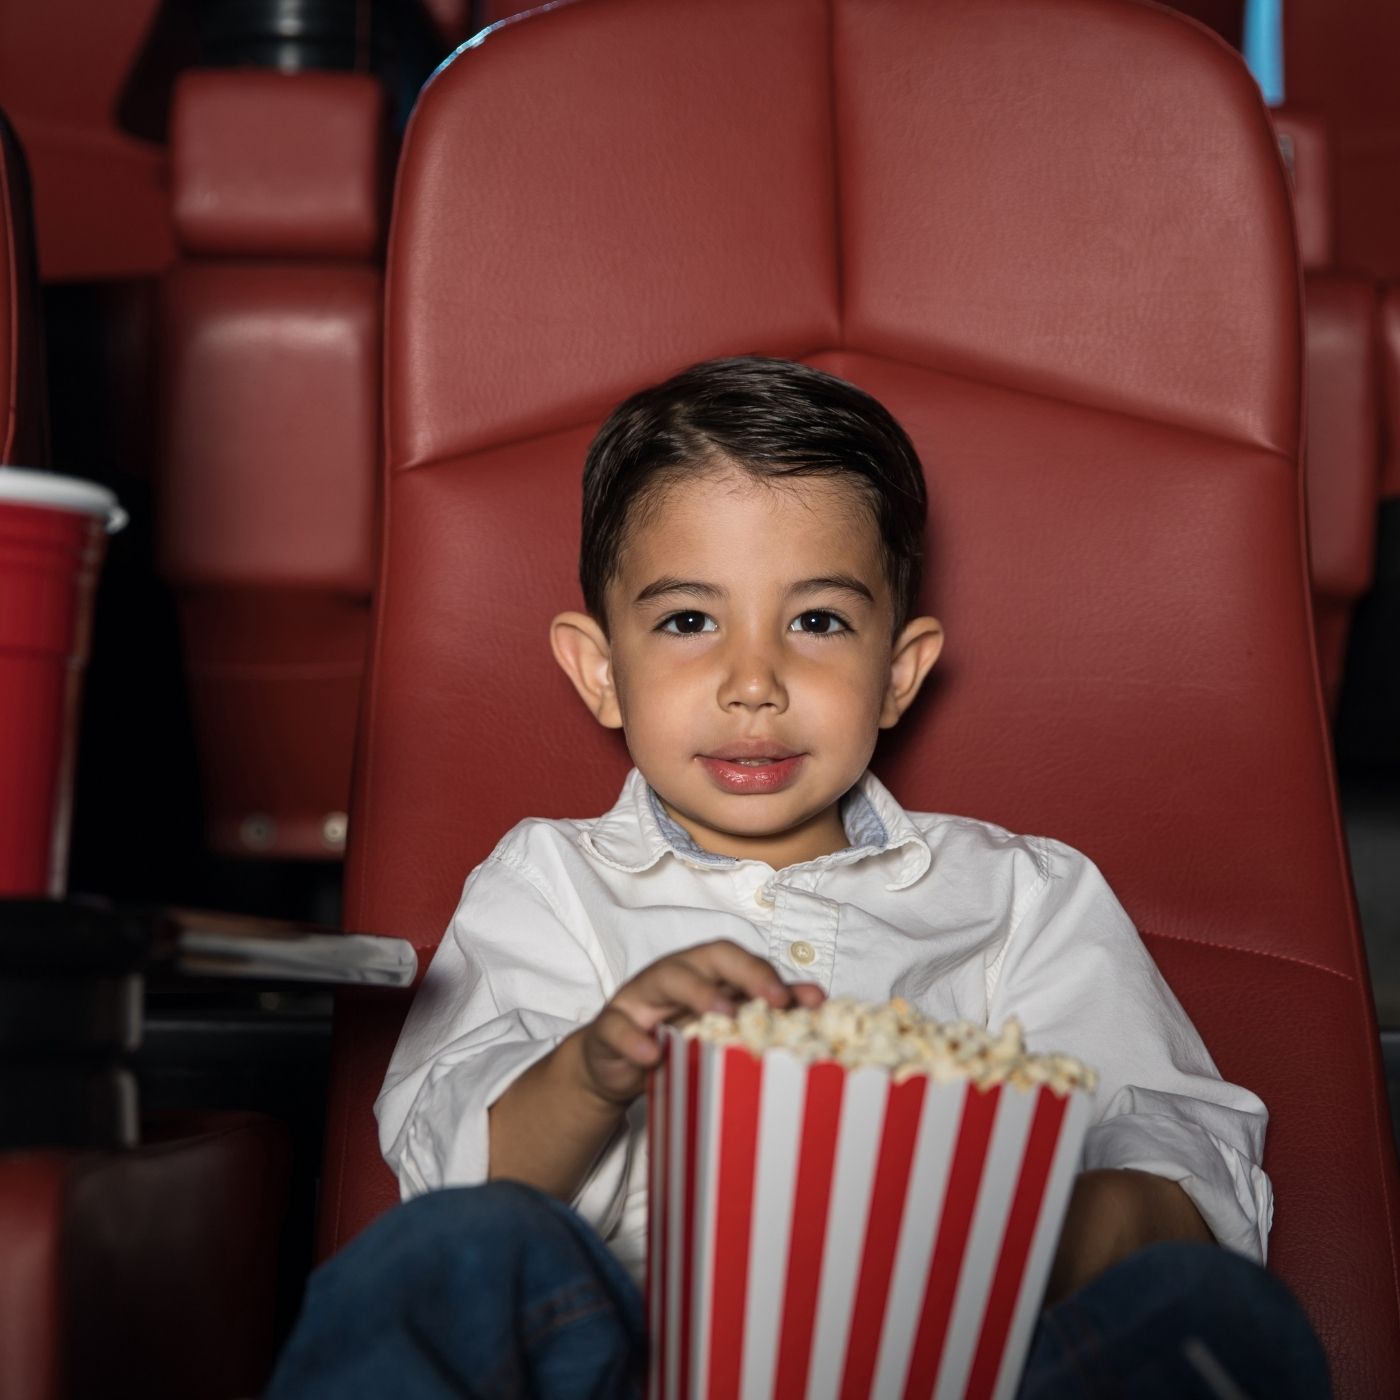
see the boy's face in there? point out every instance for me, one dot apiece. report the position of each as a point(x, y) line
point(751, 661)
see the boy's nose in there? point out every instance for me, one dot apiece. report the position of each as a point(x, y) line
point(753, 683)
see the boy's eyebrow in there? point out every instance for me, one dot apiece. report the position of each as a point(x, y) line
point(667, 584)
point(844, 583)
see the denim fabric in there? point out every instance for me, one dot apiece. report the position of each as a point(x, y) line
point(1177, 1322)
point(496, 1292)
point(490, 1291)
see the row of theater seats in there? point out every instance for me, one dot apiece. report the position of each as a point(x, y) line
point(271, 437)
point(270, 350)
point(1342, 470)
point(150, 1271)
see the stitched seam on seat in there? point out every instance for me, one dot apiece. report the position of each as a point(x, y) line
point(363, 756)
point(1248, 952)
point(447, 455)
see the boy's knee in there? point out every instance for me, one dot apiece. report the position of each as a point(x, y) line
point(452, 1222)
point(441, 1242)
point(1223, 1292)
point(1181, 1319)
point(1213, 1276)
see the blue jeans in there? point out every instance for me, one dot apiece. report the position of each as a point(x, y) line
point(499, 1291)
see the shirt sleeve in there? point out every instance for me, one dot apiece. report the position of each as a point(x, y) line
point(1076, 974)
point(509, 981)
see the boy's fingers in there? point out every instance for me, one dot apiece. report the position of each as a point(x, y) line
point(617, 1032)
point(671, 986)
point(807, 994)
point(728, 962)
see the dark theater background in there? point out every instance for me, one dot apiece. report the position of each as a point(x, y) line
point(199, 198)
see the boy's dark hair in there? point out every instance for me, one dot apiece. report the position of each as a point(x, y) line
point(773, 418)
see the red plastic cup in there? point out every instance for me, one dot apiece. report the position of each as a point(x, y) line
point(52, 539)
point(824, 1234)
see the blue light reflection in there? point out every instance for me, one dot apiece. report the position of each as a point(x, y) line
point(1263, 46)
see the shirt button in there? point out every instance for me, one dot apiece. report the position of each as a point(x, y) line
point(803, 954)
point(762, 898)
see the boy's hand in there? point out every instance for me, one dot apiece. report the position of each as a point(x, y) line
point(619, 1048)
point(550, 1125)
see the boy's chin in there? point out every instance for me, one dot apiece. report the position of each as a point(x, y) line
point(757, 817)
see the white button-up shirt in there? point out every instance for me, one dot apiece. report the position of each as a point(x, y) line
point(960, 918)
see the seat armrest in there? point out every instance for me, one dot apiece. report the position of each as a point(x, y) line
point(150, 1271)
point(88, 937)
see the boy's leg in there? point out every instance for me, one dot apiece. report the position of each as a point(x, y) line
point(1177, 1322)
point(489, 1291)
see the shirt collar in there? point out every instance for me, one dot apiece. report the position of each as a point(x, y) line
point(638, 832)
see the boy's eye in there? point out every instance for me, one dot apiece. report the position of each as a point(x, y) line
point(818, 623)
point(687, 624)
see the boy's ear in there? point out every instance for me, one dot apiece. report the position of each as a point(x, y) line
point(915, 650)
point(581, 649)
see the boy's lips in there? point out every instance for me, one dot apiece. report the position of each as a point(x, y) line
point(748, 767)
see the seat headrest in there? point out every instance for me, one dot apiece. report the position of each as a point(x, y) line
point(278, 165)
point(949, 184)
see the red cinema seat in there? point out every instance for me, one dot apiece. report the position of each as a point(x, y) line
point(270, 386)
point(1054, 237)
point(149, 1269)
point(1342, 450)
point(102, 200)
point(1340, 56)
point(24, 420)
point(1369, 726)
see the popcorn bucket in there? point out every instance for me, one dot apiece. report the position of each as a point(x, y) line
point(52, 538)
point(817, 1232)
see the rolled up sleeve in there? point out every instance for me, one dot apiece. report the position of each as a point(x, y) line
point(509, 981)
point(1078, 977)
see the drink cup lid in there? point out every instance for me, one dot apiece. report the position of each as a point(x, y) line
point(20, 486)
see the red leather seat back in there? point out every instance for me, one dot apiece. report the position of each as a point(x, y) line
point(1339, 56)
point(271, 341)
point(1342, 457)
point(102, 193)
point(1055, 239)
point(24, 420)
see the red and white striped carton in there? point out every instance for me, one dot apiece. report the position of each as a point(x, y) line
point(819, 1233)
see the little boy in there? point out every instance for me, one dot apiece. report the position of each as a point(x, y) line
point(752, 534)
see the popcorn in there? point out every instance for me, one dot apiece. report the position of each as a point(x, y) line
point(895, 1037)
